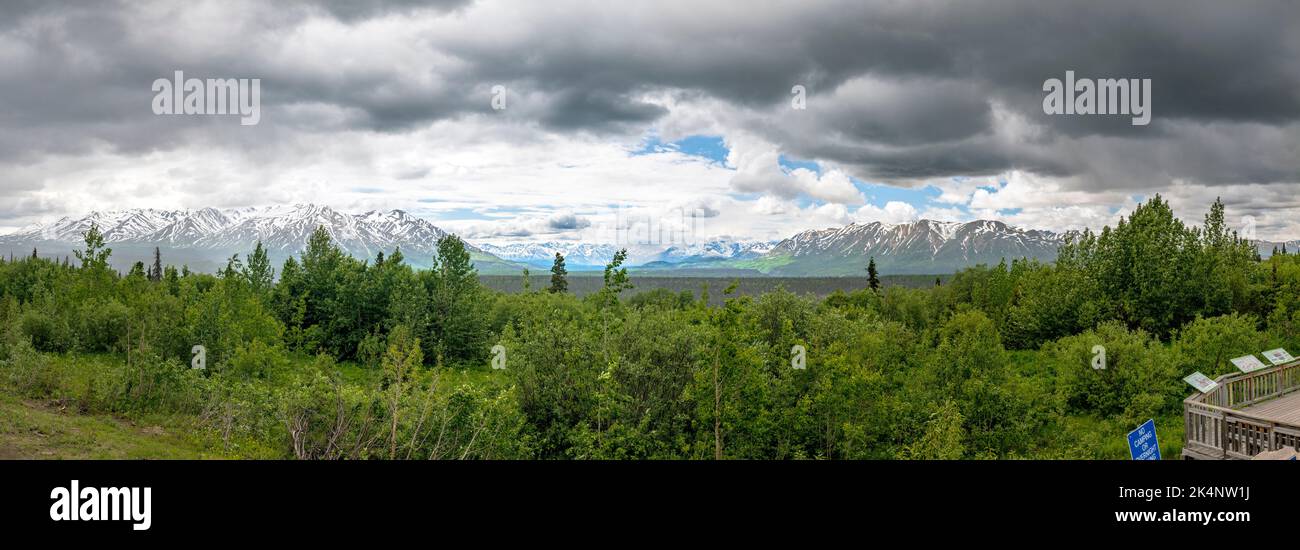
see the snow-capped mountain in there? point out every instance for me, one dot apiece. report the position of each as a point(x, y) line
point(716, 249)
point(577, 255)
point(211, 235)
point(361, 235)
point(206, 237)
point(923, 246)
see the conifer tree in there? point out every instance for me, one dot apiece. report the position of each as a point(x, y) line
point(559, 280)
point(156, 271)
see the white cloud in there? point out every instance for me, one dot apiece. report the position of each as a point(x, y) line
point(944, 214)
point(958, 190)
point(758, 170)
point(894, 212)
point(832, 213)
point(772, 206)
point(832, 186)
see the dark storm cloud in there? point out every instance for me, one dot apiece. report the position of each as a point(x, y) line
point(18, 10)
point(71, 83)
point(1217, 69)
point(1210, 59)
point(597, 109)
point(354, 10)
point(903, 113)
point(897, 91)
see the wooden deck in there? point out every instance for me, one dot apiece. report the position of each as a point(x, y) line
point(1283, 410)
point(1246, 415)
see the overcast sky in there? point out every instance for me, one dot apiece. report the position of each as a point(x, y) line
point(914, 110)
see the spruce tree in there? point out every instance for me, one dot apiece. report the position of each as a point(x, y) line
point(173, 280)
point(457, 326)
point(559, 281)
point(156, 271)
point(873, 279)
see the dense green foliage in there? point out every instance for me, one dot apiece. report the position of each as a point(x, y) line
point(344, 358)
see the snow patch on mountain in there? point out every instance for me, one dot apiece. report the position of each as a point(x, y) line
point(587, 255)
point(283, 229)
point(576, 254)
point(716, 249)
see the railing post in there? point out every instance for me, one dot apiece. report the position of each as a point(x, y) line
point(1223, 435)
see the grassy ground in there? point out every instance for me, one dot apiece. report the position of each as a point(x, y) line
point(36, 429)
point(53, 427)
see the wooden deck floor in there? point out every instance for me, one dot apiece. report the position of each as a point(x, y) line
point(1282, 409)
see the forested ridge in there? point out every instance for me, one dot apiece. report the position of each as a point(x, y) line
point(331, 357)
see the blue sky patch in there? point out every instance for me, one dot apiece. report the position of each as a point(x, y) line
point(708, 147)
point(714, 149)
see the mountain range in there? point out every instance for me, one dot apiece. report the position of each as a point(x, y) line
point(577, 255)
point(920, 247)
point(204, 238)
point(586, 256)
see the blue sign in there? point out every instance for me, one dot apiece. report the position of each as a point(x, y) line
point(1142, 444)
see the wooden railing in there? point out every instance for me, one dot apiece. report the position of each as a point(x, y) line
point(1215, 428)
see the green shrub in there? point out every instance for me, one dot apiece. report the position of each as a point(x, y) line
point(30, 372)
point(45, 332)
point(257, 360)
point(102, 325)
point(148, 384)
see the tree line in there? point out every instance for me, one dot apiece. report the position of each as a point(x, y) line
point(995, 363)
